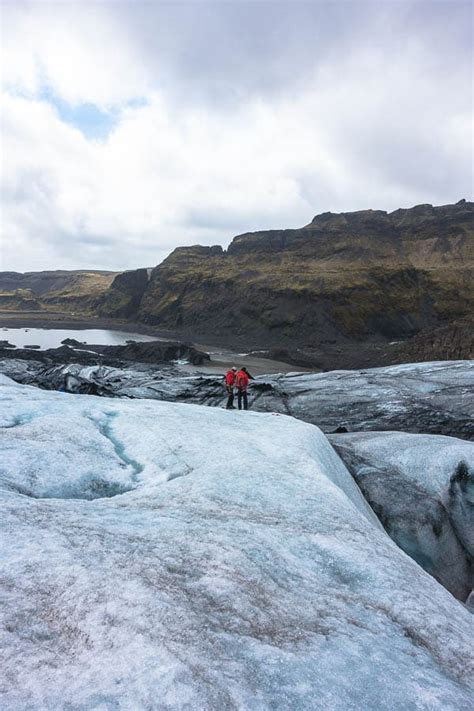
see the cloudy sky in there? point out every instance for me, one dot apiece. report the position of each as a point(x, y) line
point(130, 128)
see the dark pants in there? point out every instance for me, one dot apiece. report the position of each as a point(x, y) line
point(230, 399)
point(242, 395)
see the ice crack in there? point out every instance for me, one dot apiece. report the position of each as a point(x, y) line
point(105, 429)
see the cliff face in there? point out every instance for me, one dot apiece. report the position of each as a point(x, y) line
point(344, 277)
point(125, 294)
point(367, 276)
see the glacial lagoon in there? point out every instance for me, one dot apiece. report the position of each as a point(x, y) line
point(52, 337)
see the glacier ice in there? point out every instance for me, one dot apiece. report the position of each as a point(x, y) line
point(435, 398)
point(239, 568)
point(422, 489)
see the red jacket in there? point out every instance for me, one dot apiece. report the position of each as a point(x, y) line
point(242, 380)
point(230, 378)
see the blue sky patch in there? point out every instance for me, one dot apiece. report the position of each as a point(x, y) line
point(93, 122)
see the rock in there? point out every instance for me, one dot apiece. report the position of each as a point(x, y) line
point(454, 341)
point(72, 342)
point(124, 295)
point(33, 347)
point(6, 344)
point(157, 352)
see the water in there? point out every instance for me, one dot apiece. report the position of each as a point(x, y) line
point(52, 337)
point(221, 360)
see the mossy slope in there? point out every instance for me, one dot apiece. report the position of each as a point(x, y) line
point(352, 276)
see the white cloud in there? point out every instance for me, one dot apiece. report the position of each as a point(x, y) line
point(361, 130)
point(78, 50)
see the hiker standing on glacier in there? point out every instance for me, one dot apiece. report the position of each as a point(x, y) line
point(229, 379)
point(242, 380)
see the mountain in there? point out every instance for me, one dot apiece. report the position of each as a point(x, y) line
point(335, 293)
point(344, 277)
point(53, 290)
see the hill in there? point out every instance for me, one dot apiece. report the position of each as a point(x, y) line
point(53, 290)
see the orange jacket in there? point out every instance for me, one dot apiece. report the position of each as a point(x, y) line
point(242, 380)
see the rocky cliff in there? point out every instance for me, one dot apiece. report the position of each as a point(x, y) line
point(365, 278)
point(366, 275)
point(123, 298)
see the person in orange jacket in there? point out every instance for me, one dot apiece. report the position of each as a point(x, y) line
point(242, 380)
point(229, 379)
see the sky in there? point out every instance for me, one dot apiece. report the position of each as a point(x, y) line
point(131, 128)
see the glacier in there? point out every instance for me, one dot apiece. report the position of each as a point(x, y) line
point(422, 489)
point(432, 397)
point(159, 555)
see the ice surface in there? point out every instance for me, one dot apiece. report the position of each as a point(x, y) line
point(422, 488)
point(242, 568)
point(433, 398)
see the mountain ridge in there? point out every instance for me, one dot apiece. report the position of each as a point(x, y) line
point(362, 277)
point(347, 277)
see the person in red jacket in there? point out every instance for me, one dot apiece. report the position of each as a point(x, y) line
point(229, 379)
point(242, 380)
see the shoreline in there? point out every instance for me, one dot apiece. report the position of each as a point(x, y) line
point(447, 343)
point(222, 355)
point(57, 319)
point(81, 322)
